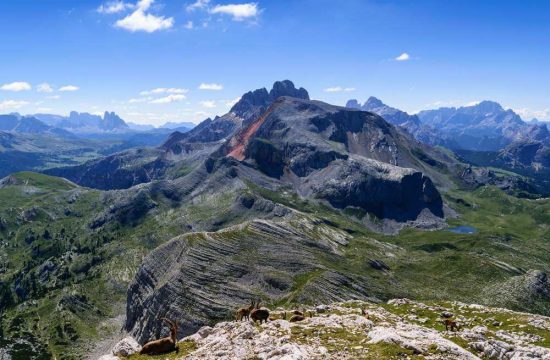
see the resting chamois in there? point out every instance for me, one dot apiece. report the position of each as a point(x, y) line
point(164, 345)
point(259, 314)
point(244, 312)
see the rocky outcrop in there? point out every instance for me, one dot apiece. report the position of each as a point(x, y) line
point(401, 328)
point(126, 347)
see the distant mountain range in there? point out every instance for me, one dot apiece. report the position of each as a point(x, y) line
point(486, 126)
point(41, 141)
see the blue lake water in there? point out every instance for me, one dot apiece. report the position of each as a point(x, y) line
point(463, 229)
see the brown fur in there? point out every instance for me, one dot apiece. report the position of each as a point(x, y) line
point(244, 312)
point(164, 345)
point(364, 313)
point(296, 318)
point(259, 314)
point(450, 324)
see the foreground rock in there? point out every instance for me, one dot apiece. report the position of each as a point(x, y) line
point(399, 329)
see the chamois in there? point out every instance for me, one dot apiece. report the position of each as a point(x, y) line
point(164, 345)
point(244, 312)
point(259, 314)
point(450, 324)
point(296, 318)
point(364, 313)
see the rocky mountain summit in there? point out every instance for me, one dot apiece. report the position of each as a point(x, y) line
point(398, 329)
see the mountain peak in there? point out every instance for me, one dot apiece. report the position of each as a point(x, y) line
point(488, 106)
point(261, 98)
point(287, 88)
point(353, 104)
point(373, 102)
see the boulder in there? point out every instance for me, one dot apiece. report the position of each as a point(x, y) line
point(126, 347)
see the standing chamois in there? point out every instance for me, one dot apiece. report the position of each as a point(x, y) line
point(259, 314)
point(244, 312)
point(450, 324)
point(164, 345)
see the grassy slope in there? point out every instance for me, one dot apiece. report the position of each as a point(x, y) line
point(98, 264)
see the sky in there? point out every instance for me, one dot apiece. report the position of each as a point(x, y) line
point(154, 61)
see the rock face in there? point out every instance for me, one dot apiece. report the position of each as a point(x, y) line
point(399, 329)
point(526, 154)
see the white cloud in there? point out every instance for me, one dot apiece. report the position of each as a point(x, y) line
point(164, 91)
point(16, 86)
point(44, 88)
point(528, 114)
point(44, 109)
point(144, 4)
point(139, 20)
point(188, 25)
point(12, 104)
point(199, 4)
point(69, 88)
point(113, 7)
point(339, 89)
point(53, 97)
point(209, 104)
point(140, 100)
point(204, 86)
point(238, 11)
point(230, 103)
point(472, 103)
point(403, 57)
point(168, 99)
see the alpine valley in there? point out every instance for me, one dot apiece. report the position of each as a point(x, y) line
point(106, 227)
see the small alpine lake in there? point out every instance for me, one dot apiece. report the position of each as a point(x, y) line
point(463, 229)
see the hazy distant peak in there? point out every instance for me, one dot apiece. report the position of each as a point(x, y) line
point(373, 102)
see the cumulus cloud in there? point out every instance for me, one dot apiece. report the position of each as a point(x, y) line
point(12, 104)
point(16, 86)
point(199, 4)
point(188, 25)
point(472, 103)
point(69, 88)
point(212, 86)
point(168, 99)
point(44, 88)
point(140, 20)
point(239, 12)
point(403, 57)
point(209, 104)
point(139, 100)
point(529, 114)
point(336, 89)
point(113, 7)
point(53, 97)
point(164, 91)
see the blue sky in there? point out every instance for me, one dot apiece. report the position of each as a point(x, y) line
point(147, 59)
